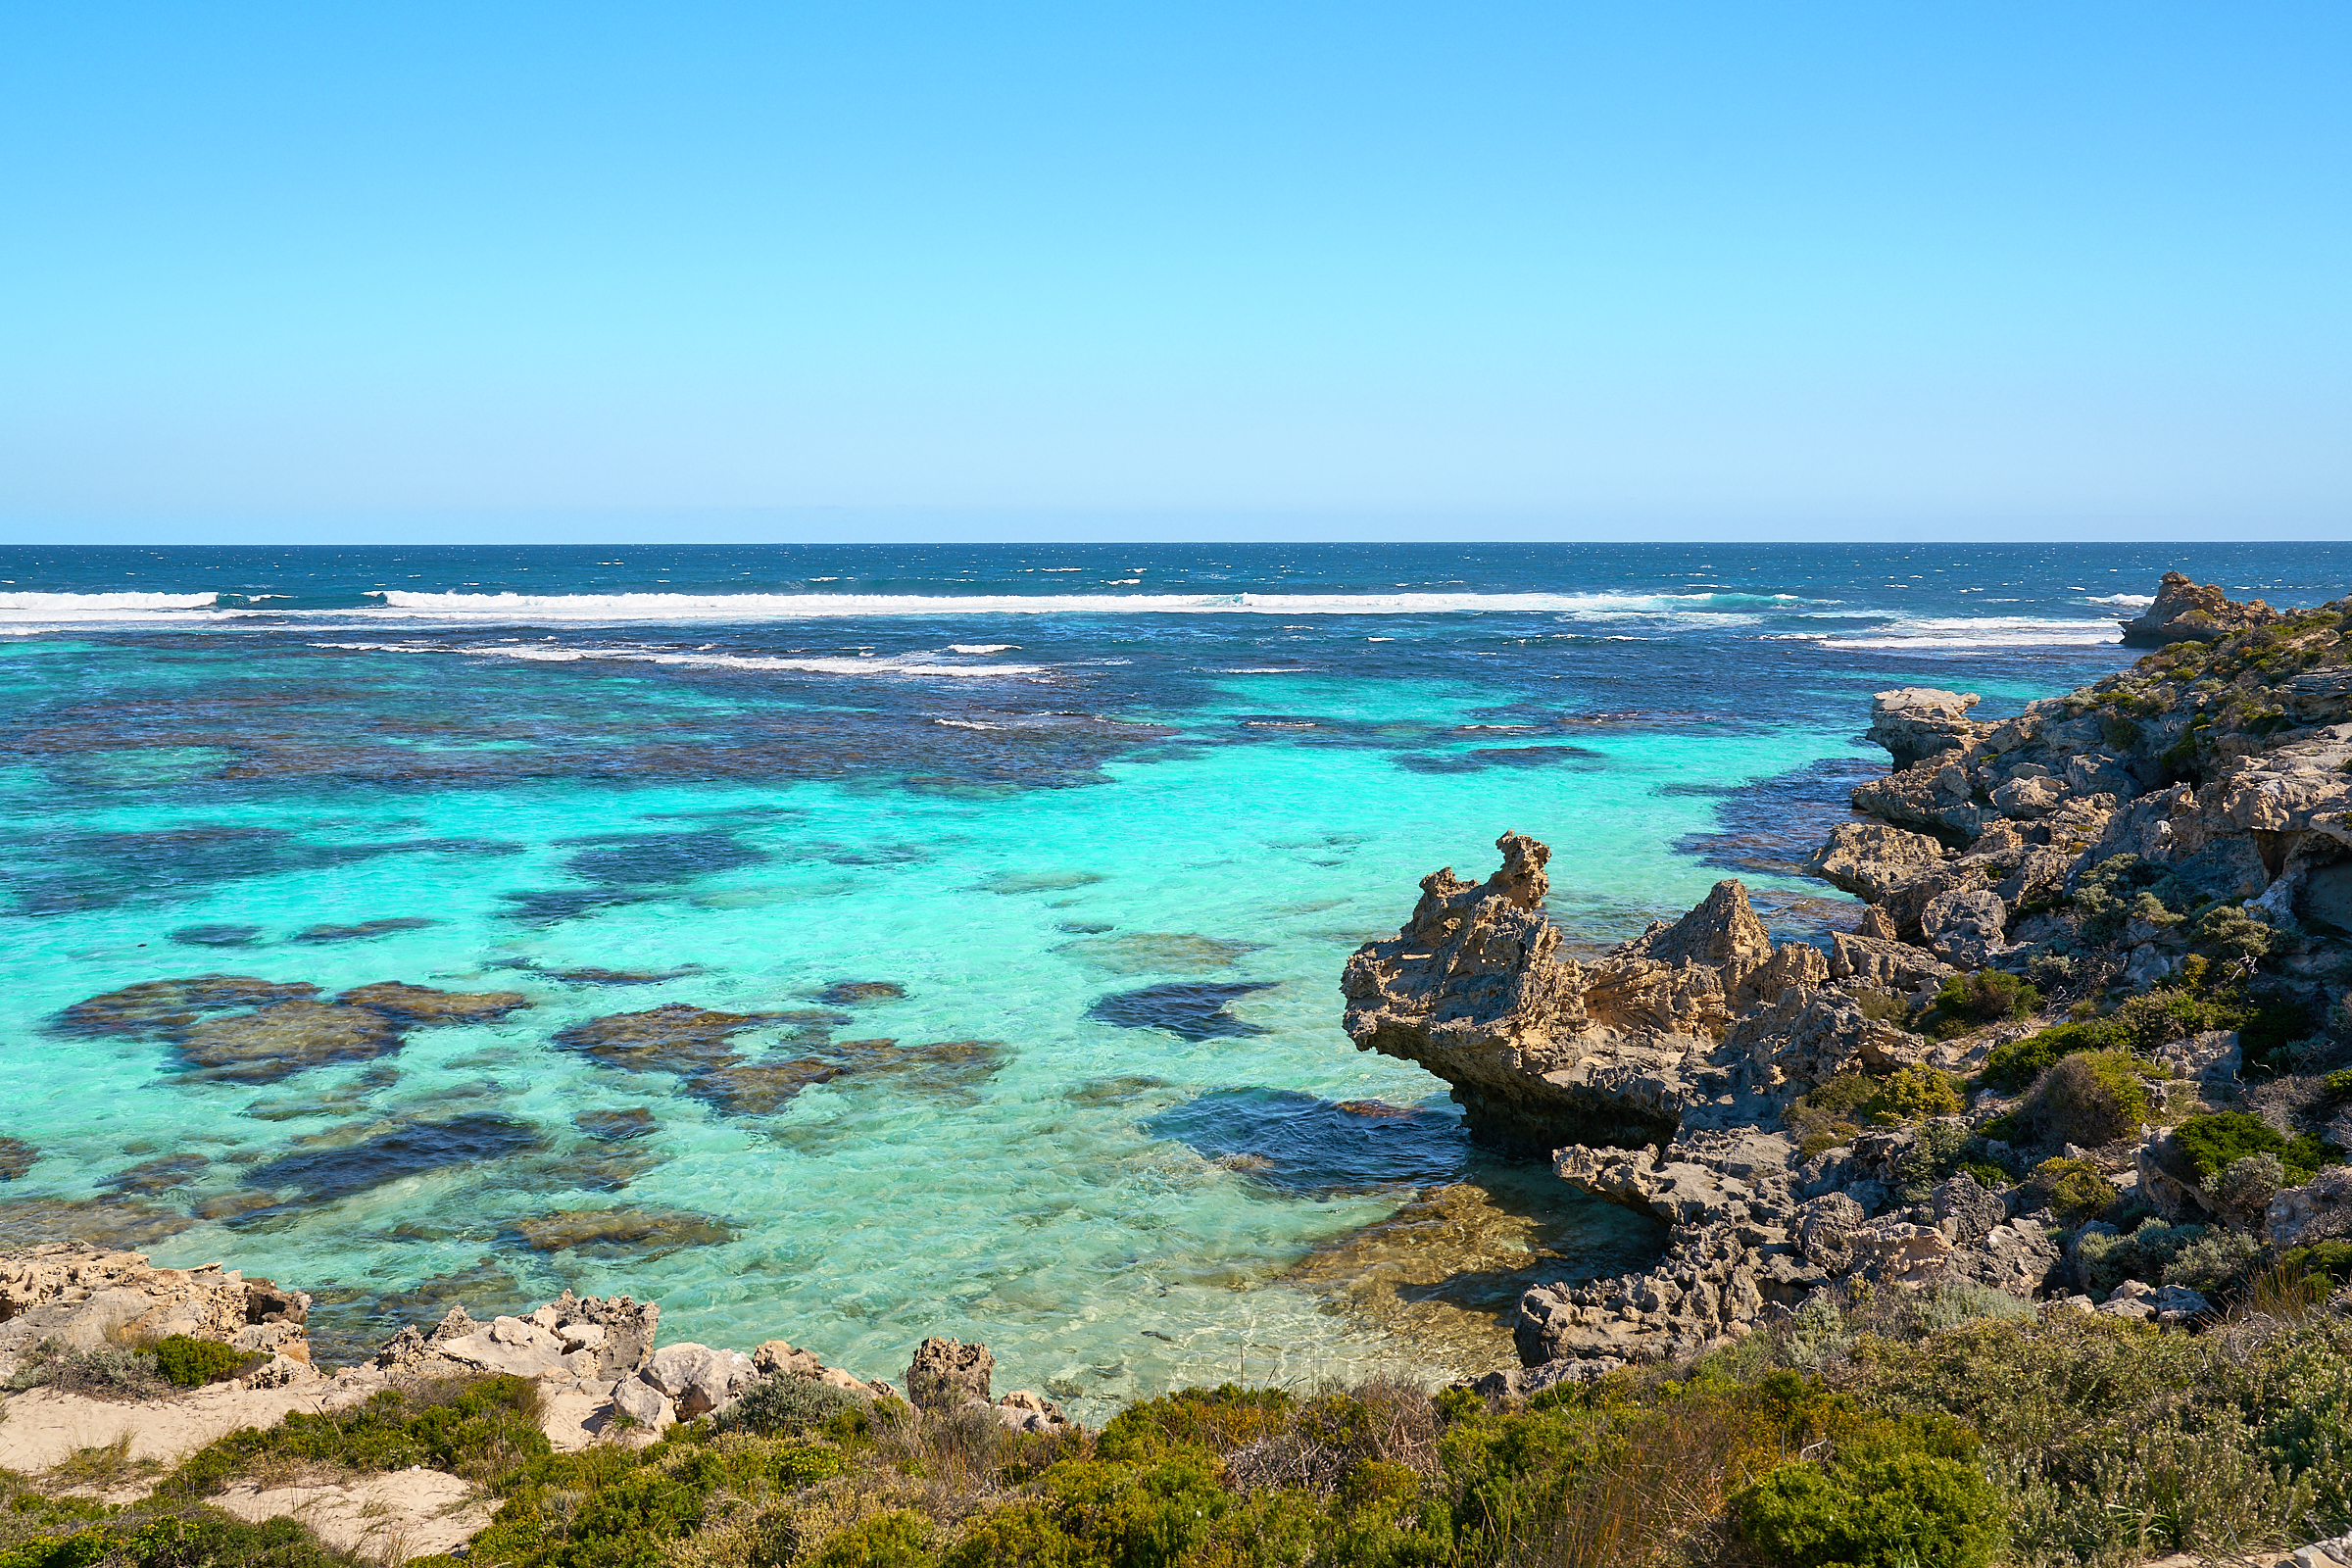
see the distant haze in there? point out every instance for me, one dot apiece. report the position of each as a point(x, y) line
point(537, 272)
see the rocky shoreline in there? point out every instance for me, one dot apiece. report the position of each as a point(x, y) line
point(2179, 832)
point(2086, 1066)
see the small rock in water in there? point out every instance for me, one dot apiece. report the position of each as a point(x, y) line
point(622, 1232)
point(285, 1038)
point(159, 1008)
point(158, 1175)
point(613, 1126)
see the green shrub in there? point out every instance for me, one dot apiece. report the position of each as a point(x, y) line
point(782, 1406)
point(202, 1537)
point(2331, 1260)
point(2229, 934)
point(2073, 1189)
point(1912, 1094)
point(1893, 1510)
point(2340, 1082)
point(2213, 1261)
point(191, 1363)
point(1986, 996)
point(899, 1539)
point(2090, 1097)
point(478, 1430)
point(2215, 1143)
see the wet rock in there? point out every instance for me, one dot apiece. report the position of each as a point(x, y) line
point(33, 1221)
point(283, 1038)
point(364, 931)
point(1870, 860)
point(697, 1379)
point(615, 1126)
point(1019, 882)
point(215, 936)
point(2188, 612)
point(17, 1157)
point(1194, 1011)
point(231, 1205)
point(326, 1103)
point(157, 1010)
point(1917, 722)
point(422, 1004)
point(1112, 1090)
point(624, 1232)
point(86, 1297)
point(856, 992)
point(327, 1174)
point(945, 1373)
point(164, 1174)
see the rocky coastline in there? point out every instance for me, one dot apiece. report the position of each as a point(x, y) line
point(2081, 1076)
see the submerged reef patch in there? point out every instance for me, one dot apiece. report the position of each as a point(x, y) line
point(1157, 953)
point(215, 936)
point(326, 1174)
point(364, 931)
point(1297, 1143)
point(1189, 1010)
point(642, 1233)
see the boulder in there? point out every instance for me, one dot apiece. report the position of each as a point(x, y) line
point(945, 1373)
point(1965, 926)
point(1884, 965)
point(2317, 1212)
point(1965, 1210)
point(2189, 611)
point(1870, 860)
point(1916, 722)
point(697, 1379)
point(644, 1405)
point(1826, 1232)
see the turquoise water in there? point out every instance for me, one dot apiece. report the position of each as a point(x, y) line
point(1030, 823)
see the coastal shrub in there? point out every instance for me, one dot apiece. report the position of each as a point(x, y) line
point(2216, 1142)
point(479, 1429)
point(2329, 1260)
point(2107, 1259)
point(898, 1538)
point(1827, 1114)
point(1888, 1510)
point(2245, 1184)
point(185, 1363)
point(199, 1538)
point(1934, 1153)
point(1910, 1094)
point(2073, 1189)
point(782, 1406)
point(108, 1372)
point(2213, 1261)
point(1967, 1002)
point(2090, 1097)
point(2338, 1084)
point(2229, 934)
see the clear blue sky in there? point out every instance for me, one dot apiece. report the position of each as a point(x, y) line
point(328, 271)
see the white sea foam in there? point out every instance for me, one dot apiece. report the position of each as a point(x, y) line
point(1959, 632)
point(981, 647)
point(901, 664)
point(2128, 601)
point(28, 613)
point(611, 607)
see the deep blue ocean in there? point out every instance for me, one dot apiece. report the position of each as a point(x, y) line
point(1023, 876)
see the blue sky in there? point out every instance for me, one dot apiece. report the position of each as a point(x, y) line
point(794, 272)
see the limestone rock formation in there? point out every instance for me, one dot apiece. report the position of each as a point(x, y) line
point(83, 1297)
point(947, 1373)
point(1914, 722)
point(1542, 1051)
point(1872, 860)
point(2188, 612)
point(574, 1337)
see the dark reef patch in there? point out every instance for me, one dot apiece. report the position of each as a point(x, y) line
point(550, 905)
point(1112, 1090)
point(616, 977)
point(215, 936)
point(159, 1008)
point(643, 859)
point(616, 1126)
point(422, 1004)
point(326, 1174)
point(1297, 1143)
point(1157, 953)
point(286, 1038)
point(675, 1037)
point(1769, 825)
point(160, 1175)
point(1189, 1010)
point(17, 1157)
point(758, 1088)
point(1480, 761)
point(364, 931)
point(102, 870)
point(638, 1233)
point(851, 993)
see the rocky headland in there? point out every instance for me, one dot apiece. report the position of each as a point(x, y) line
point(2085, 1048)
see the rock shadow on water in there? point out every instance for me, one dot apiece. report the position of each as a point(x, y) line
point(1300, 1144)
point(324, 1175)
point(1157, 953)
point(1444, 1275)
point(1194, 1011)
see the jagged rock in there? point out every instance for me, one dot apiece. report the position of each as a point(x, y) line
point(1897, 1249)
point(86, 1297)
point(2172, 1196)
point(1885, 964)
point(1024, 1411)
point(2018, 1258)
point(2188, 612)
point(1808, 1037)
point(1965, 1210)
point(697, 1379)
point(1542, 1051)
point(1870, 860)
point(1826, 1233)
point(2167, 1307)
point(1965, 926)
point(945, 1373)
point(1521, 1380)
point(571, 1337)
point(1914, 722)
point(2317, 1210)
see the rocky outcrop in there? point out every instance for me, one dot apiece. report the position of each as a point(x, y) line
point(1542, 1050)
point(1870, 860)
point(82, 1297)
point(1915, 722)
point(946, 1373)
point(2188, 612)
point(571, 1337)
